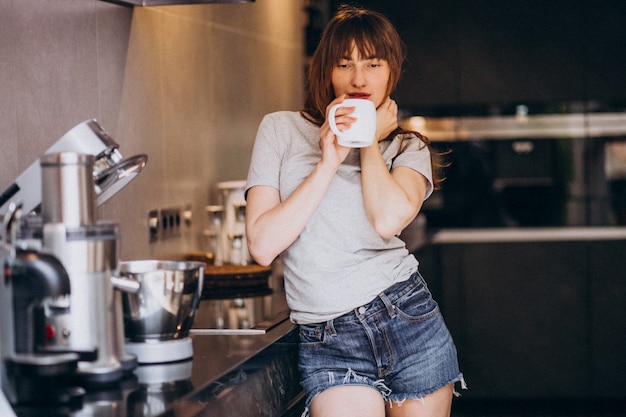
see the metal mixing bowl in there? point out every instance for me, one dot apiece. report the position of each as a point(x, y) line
point(166, 304)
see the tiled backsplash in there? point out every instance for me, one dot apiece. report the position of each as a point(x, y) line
point(187, 85)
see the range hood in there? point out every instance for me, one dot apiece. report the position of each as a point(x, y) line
point(173, 2)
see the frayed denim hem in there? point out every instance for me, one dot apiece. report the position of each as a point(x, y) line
point(352, 378)
point(398, 400)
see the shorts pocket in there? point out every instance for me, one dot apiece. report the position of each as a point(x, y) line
point(417, 305)
point(311, 334)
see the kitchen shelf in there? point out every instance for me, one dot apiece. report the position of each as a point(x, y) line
point(554, 126)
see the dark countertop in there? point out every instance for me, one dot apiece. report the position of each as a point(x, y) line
point(229, 374)
point(241, 375)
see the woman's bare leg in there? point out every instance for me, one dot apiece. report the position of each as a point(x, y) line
point(437, 404)
point(348, 401)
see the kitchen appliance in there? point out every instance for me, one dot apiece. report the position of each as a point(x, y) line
point(83, 169)
point(111, 172)
point(30, 284)
point(523, 169)
point(213, 233)
point(234, 246)
point(89, 252)
point(157, 319)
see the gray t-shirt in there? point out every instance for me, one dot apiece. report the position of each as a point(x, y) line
point(339, 262)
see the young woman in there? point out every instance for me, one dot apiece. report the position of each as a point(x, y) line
point(373, 342)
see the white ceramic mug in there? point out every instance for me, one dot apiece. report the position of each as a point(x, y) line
point(363, 130)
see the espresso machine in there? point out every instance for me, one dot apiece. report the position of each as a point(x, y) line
point(61, 191)
point(30, 283)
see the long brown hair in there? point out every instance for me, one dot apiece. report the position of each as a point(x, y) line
point(374, 36)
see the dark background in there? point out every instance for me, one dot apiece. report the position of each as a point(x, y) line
point(486, 56)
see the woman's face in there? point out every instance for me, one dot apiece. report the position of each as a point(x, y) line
point(364, 77)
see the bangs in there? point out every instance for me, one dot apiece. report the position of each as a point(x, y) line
point(365, 37)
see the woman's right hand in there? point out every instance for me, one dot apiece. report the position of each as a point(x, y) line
point(332, 152)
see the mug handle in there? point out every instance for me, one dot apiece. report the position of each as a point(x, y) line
point(331, 119)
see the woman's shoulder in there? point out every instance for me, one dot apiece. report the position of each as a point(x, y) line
point(410, 135)
point(286, 119)
point(407, 140)
point(284, 115)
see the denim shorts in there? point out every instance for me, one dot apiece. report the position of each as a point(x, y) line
point(398, 344)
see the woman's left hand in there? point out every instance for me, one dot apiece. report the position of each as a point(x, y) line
point(386, 118)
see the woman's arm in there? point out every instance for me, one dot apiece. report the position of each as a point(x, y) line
point(392, 199)
point(273, 225)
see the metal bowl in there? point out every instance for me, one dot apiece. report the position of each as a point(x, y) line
point(166, 304)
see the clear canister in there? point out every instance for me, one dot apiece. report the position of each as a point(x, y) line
point(214, 232)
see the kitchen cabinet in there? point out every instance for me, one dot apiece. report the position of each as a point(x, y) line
point(431, 34)
point(489, 52)
point(608, 318)
point(539, 317)
point(522, 51)
point(605, 48)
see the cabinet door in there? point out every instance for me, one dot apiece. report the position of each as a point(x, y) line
point(494, 52)
point(520, 51)
point(429, 30)
point(605, 48)
point(608, 261)
point(522, 320)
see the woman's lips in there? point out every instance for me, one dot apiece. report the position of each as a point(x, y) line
point(358, 95)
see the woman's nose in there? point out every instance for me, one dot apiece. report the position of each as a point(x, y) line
point(358, 78)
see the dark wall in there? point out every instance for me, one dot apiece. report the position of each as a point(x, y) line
point(489, 52)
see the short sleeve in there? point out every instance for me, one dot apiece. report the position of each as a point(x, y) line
point(409, 151)
point(266, 156)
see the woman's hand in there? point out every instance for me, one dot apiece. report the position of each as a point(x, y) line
point(386, 118)
point(332, 152)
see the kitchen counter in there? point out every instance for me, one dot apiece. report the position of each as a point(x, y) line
point(242, 375)
point(234, 372)
point(247, 374)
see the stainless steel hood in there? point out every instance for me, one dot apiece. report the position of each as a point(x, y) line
point(572, 125)
point(173, 2)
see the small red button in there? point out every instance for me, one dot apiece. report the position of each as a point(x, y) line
point(50, 332)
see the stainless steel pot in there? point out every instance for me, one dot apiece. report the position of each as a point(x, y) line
point(166, 304)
